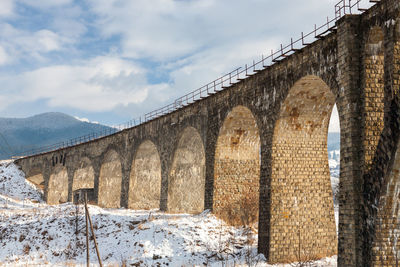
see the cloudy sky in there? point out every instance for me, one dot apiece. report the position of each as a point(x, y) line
point(113, 60)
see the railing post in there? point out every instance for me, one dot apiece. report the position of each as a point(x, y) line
point(350, 7)
point(315, 30)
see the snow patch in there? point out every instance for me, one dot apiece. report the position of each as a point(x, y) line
point(85, 120)
point(54, 235)
point(14, 185)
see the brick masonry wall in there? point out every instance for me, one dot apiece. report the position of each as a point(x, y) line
point(373, 94)
point(302, 217)
point(386, 246)
point(349, 107)
point(237, 169)
point(385, 187)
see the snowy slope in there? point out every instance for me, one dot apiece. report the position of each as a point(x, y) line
point(37, 234)
point(14, 185)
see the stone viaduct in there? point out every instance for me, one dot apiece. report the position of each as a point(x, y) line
point(256, 152)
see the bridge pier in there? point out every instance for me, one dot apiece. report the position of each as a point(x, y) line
point(349, 105)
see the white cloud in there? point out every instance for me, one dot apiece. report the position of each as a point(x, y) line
point(19, 44)
point(204, 67)
point(197, 41)
point(100, 84)
point(57, 26)
point(46, 3)
point(3, 56)
point(70, 28)
point(47, 40)
point(334, 123)
point(166, 29)
point(6, 8)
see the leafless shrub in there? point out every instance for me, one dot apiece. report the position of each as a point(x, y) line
point(243, 212)
point(251, 259)
point(21, 238)
point(26, 249)
point(70, 252)
point(304, 258)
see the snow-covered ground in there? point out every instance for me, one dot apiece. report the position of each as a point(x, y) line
point(334, 168)
point(334, 162)
point(33, 233)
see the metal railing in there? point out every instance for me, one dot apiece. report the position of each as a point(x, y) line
point(342, 8)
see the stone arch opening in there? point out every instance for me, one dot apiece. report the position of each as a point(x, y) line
point(83, 176)
point(374, 93)
point(110, 181)
point(58, 186)
point(237, 169)
point(334, 159)
point(186, 182)
point(145, 178)
point(302, 222)
point(35, 176)
point(386, 245)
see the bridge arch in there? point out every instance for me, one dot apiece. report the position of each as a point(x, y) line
point(145, 178)
point(187, 174)
point(83, 175)
point(58, 185)
point(110, 180)
point(36, 177)
point(301, 203)
point(237, 168)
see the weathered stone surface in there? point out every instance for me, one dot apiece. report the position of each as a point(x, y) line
point(386, 246)
point(187, 176)
point(145, 179)
point(110, 181)
point(58, 186)
point(83, 176)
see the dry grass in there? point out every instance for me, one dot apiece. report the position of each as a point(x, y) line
point(243, 212)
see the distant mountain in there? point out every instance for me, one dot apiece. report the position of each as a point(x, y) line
point(18, 135)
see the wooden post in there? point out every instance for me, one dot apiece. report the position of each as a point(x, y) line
point(91, 228)
point(87, 234)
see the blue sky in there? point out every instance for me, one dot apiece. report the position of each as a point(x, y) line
point(112, 60)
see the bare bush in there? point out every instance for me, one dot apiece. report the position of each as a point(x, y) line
point(243, 212)
point(26, 249)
